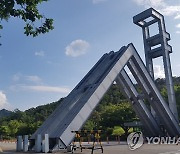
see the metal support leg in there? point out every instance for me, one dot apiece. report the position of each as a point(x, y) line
point(38, 143)
point(19, 143)
point(25, 143)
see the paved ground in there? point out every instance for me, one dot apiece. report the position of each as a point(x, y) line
point(112, 148)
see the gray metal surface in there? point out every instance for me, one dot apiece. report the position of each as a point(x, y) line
point(138, 105)
point(161, 108)
point(77, 107)
point(156, 46)
point(80, 103)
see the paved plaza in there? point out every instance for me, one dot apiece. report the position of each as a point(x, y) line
point(112, 148)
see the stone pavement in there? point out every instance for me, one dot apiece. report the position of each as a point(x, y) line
point(112, 148)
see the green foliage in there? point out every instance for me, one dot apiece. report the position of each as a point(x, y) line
point(5, 113)
point(164, 93)
point(110, 115)
point(4, 130)
point(27, 122)
point(113, 96)
point(26, 10)
point(118, 131)
point(114, 115)
point(177, 93)
point(109, 131)
point(90, 125)
point(130, 130)
point(161, 85)
point(13, 126)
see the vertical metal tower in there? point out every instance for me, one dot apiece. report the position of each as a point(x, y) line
point(156, 46)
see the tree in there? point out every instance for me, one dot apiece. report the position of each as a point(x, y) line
point(115, 115)
point(90, 125)
point(118, 131)
point(13, 127)
point(4, 130)
point(177, 93)
point(27, 11)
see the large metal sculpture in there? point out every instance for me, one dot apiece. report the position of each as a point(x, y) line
point(83, 99)
point(157, 46)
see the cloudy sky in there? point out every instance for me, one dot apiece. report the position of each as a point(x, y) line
point(36, 71)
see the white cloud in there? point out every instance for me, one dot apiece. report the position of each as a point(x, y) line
point(178, 25)
point(16, 77)
point(47, 89)
point(150, 3)
point(162, 6)
point(170, 10)
point(3, 100)
point(98, 1)
point(178, 65)
point(158, 72)
point(34, 78)
point(177, 32)
point(77, 48)
point(40, 53)
point(177, 17)
point(24, 78)
point(24, 83)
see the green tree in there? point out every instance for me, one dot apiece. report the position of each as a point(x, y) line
point(164, 93)
point(113, 96)
point(177, 93)
point(27, 10)
point(118, 131)
point(4, 130)
point(109, 132)
point(13, 127)
point(90, 125)
point(115, 115)
point(28, 128)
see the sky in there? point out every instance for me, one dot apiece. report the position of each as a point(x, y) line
point(41, 70)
